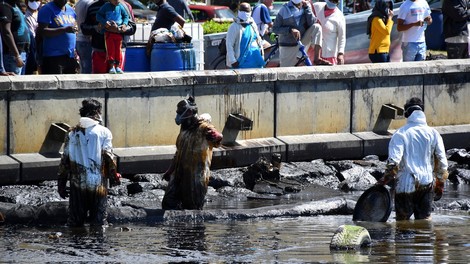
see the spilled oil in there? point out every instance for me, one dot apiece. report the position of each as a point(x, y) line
point(264, 240)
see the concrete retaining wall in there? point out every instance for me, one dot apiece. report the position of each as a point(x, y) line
point(302, 113)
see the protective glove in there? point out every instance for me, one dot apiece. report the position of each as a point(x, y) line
point(438, 190)
point(115, 180)
point(389, 175)
point(61, 188)
point(439, 185)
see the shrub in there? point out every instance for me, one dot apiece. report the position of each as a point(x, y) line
point(211, 27)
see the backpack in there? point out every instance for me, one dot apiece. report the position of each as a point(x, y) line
point(222, 47)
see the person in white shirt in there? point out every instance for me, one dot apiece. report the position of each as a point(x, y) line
point(413, 18)
point(334, 30)
point(262, 17)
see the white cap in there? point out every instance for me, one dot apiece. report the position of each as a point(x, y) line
point(296, 1)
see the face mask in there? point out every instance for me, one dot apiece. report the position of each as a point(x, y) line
point(242, 15)
point(179, 117)
point(330, 5)
point(34, 5)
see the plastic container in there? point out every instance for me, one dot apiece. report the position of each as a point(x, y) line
point(136, 60)
point(196, 31)
point(173, 57)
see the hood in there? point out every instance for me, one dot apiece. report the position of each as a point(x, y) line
point(417, 117)
point(87, 122)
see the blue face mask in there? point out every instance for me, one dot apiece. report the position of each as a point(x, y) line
point(179, 117)
point(330, 5)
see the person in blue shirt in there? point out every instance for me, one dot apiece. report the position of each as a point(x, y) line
point(114, 14)
point(56, 33)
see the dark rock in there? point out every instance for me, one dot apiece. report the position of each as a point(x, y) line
point(227, 177)
point(52, 213)
point(259, 171)
point(134, 188)
point(356, 178)
point(460, 156)
point(459, 175)
point(228, 191)
point(341, 165)
point(314, 172)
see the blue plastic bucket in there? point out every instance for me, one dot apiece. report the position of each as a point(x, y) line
point(136, 59)
point(173, 57)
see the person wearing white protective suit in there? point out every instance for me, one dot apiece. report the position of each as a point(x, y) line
point(89, 164)
point(417, 161)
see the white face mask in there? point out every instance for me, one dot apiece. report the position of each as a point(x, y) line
point(34, 5)
point(330, 5)
point(242, 15)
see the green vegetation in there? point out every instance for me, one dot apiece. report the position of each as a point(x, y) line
point(211, 27)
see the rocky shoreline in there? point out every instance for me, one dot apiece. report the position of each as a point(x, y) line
point(305, 188)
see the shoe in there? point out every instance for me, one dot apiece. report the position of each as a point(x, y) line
point(119, 71)
point(112, 70)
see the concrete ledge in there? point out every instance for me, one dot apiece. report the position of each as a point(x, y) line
point(323, 146)
point(154, 159)
point(10, 169)
point(37, 167)
point(455, 136)
point(246, 152)
point(32, 167)
point(374, 144)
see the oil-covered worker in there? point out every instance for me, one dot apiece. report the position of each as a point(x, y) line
point(189, 172)
point(417, 161)
point(89, 164)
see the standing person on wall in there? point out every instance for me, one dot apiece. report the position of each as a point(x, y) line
point(189, 172)
point(89, 164)
point(244, 44)
point(57, 32)
point(31, 16)
point(262, 17)
point(91, 27)
point(457, 28)
point(296, 22)
point(83, 45)
point(417, 160)
point(15, 36)
point(3, 72)
point(413, 18)
point(181, 7)
point(113, 14)
point(379, 28)
point(333, 26)
point(166, 16)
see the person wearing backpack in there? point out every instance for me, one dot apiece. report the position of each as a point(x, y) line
point(243, 42)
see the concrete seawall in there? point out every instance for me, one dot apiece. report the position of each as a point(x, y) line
point(303, 113)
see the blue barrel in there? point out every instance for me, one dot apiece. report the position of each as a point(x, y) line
point(136, 60)
point(435, 32)
point(173, 57)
